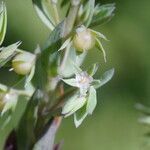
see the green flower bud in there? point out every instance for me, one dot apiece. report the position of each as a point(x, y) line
point(84, 39)
point(23, 63)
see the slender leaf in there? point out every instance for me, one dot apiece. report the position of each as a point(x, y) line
point(41, 9)
point(26, 137)
point(107, 76)
point(93, 69)
point(100, 47)
point(7, 53)
point(90, 12)
point(102, 14)
point(3, 21)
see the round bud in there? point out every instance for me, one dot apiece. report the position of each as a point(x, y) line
point(83, 40)
point(23, 63)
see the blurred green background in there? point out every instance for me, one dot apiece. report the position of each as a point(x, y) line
point(114, 124)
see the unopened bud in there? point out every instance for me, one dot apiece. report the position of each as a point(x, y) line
point(23, 63)
point(84, 39)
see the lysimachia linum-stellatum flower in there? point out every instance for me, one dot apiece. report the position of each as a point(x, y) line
point(84, 101)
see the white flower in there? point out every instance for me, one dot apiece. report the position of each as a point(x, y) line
point(83, 81)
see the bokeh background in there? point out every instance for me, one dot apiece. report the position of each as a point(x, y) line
point(114, 124)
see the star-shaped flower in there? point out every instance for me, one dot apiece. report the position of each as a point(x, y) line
point(84, 101)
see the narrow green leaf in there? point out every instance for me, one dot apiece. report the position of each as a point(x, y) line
point(3, 21)
point(93, 69)
point(6, 53)
point(100, 47)
point(102, 14)
point(91, 101)
point(90, 12)
point(41, 9)
point(65, 44)
point(26, 137)
point(107, 76)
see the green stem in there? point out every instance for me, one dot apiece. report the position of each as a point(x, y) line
point(69, 24)
point(70, 20)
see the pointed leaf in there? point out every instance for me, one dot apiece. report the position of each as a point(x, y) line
point(27, 123)
point(90, 12)
point(65, 44)
point(92, 70)
point(3, 21)
point(107, 76)
point(41, 9)
point(100, 47)
point(7, 53)
point(92, 100)
point(102, 14)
